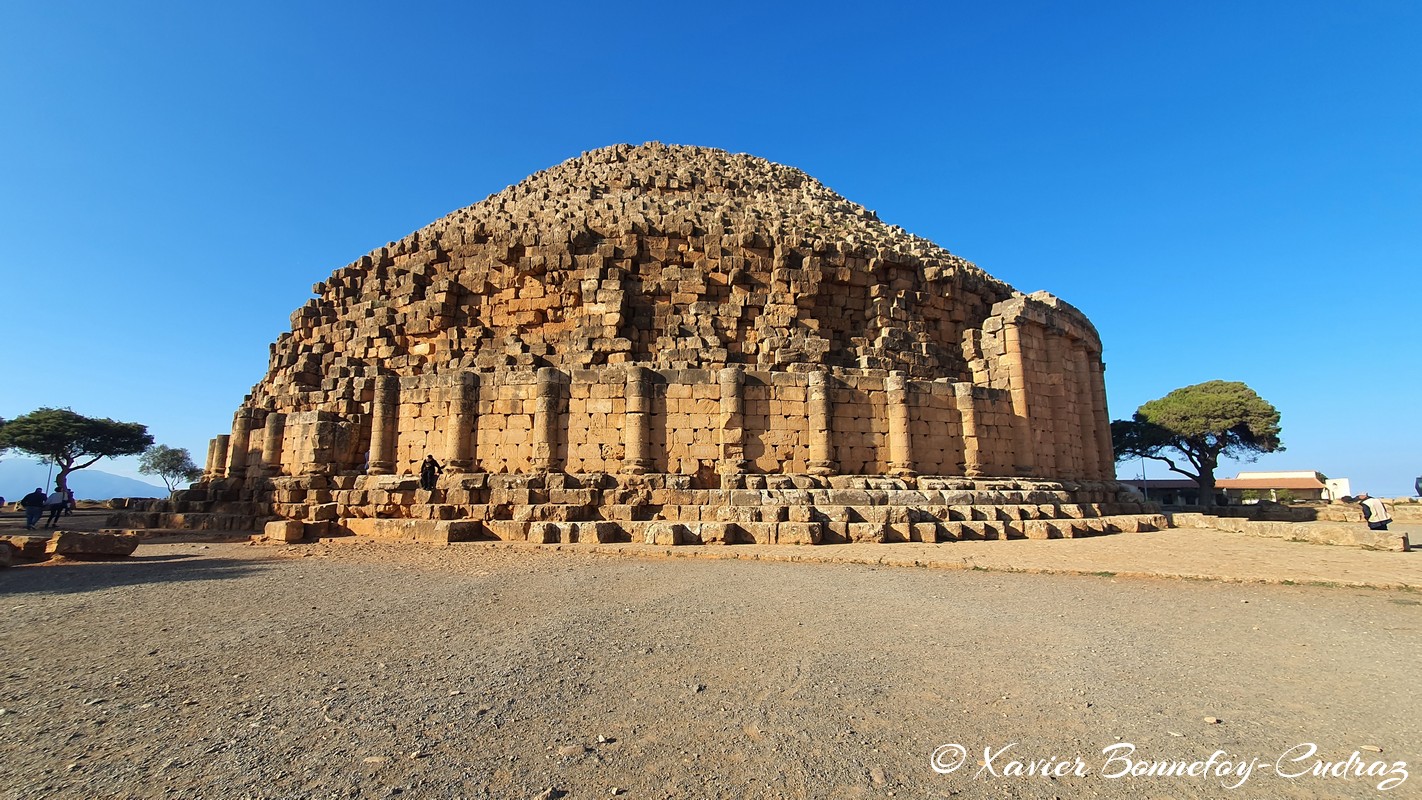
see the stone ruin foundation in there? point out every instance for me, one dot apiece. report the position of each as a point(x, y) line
point(672, 345)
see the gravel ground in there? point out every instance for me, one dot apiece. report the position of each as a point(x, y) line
point(205, 670)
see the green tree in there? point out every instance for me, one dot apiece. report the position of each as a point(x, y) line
point(1203, 423)
point(72, 441)
point(173, 464)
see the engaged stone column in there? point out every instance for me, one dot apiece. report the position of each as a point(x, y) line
point(1055, 459)
point(239, 443)
point(968, 414)
point(272, 434)
point(1022, 419)
point(817, 405)
point(384, 411)
point(900, 444)
point(208, 465)
point(732, 423)
point(219, 455)
point(545, 419)
point(460, 425)
point(1106, 458)
point(637, 430)
point(1089, 440)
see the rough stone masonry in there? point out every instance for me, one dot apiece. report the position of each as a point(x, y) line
point(676, 345)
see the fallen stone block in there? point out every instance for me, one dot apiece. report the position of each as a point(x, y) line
point(31, 548)
point(9, 554)
point(284, 530)
point(75, 544)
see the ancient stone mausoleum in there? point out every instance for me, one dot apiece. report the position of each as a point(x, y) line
point(675, 345)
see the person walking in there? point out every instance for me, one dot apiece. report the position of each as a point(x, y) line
point(1374, 512)
point(33, 504)
point(429, 473)
point(55, 505)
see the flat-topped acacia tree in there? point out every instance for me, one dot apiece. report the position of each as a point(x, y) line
point(173, 464)
point(1203, 423)
point(72, 441)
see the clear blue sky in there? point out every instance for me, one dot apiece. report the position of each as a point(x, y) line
point(1228, 190)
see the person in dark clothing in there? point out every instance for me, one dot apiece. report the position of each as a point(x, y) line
point(429, 473)
point(33, 504)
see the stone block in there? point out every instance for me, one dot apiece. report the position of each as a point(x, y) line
point(977, 530)
point(412, 530)
point(860, 532)
point(74, 544)
point(601, 532)
point(1040, 529)
point(717, 532)
point(508, 530)
point(746, 497)
point(544, 533)
point(663, 533)
point(29, 548)
point(324, 512)
point(758, 532)
point(284, 530)
point(898, 532)
point(572, 497)
point(926, 532)
point(798, 533)
point(9, 554)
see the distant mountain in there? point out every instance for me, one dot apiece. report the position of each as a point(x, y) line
point(20, 476)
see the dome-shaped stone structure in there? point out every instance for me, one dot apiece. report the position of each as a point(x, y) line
point(654, 319)
point(671, 257)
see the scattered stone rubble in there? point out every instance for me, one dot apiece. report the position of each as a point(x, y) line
point(673, 345)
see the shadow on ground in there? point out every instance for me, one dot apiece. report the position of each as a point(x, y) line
point(73, 576)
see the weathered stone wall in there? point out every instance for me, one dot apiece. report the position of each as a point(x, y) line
point(687, 422)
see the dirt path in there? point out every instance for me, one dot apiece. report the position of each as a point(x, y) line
point(216, 670)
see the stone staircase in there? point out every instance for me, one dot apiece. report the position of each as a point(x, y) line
point(653, 509)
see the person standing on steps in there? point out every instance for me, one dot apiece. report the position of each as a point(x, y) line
point(429, 473)
point(33, 504)
point(1374, 512)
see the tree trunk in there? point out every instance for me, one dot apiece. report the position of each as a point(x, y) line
point(1206, 483)
point(1208, 463)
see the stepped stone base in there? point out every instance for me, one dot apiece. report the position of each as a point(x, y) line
point(652, 509)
